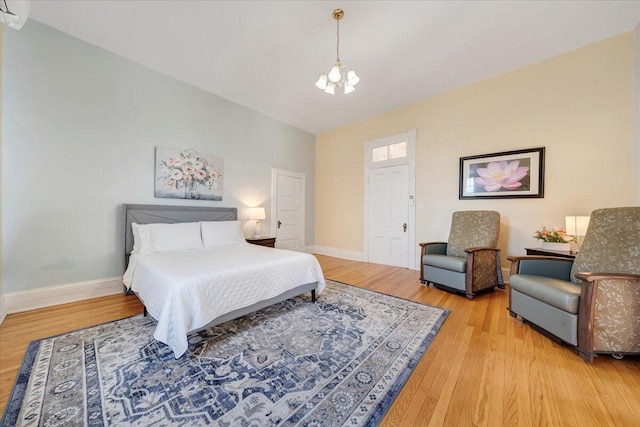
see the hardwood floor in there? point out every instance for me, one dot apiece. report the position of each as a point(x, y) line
point(483, 368)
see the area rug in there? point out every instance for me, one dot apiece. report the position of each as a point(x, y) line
point(340, 361)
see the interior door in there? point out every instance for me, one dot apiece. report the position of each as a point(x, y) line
point(389, 215)
point(289, 221)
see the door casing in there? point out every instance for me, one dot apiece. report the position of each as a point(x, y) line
point(410, 137)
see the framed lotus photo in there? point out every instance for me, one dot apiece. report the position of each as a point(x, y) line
point(510, 174)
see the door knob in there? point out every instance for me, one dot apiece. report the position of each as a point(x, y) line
point(279, 223)
point(404, 227)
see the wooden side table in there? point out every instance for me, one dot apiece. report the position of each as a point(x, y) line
point(269, 242)
point(548, 252)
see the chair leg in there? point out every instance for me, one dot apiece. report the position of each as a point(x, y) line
point(587, 357)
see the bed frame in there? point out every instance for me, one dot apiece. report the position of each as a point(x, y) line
point(169, 214)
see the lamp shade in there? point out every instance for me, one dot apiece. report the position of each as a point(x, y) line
point(577, 225)
point(352, 78)
point(330, 88)
point(322, 82)
point(334, 75)
point(257, 213)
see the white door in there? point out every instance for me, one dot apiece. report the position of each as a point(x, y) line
point(289, 210)
point(389, 215)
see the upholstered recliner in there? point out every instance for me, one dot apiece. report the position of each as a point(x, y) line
point(469, 262)
point(593, 302)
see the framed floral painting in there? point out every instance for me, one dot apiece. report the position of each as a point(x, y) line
point(510, 174)
point(188, 174)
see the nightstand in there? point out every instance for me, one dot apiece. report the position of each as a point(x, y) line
point(263, 241)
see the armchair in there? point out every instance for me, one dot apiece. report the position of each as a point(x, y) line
point(593, 302)
point(469, 262)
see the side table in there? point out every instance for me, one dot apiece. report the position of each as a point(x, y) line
point(263, 241)
point(548, 252)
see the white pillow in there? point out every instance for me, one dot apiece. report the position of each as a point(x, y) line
point(180, 236)
point(221, 233)
point(137, 240)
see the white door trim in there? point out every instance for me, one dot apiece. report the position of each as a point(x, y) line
point(275, 172)
point(410, 160)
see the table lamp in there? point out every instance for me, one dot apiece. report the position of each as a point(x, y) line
point(257, 214)
point(577, 226)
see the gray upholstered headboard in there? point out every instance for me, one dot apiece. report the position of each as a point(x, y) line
point(150, 214)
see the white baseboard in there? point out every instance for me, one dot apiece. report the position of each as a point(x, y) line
point(506, 272)
point(15, 302)
point(346, 254)
point(3, 312)
point(360, 256)
point(339, 253)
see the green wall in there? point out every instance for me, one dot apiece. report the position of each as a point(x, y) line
point(80, 128)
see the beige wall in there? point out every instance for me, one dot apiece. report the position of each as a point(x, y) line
point(579, 105)
point(636, 109)
point(2, 313)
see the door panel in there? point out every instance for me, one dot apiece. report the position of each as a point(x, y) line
point(388, 212)
point(288, 199)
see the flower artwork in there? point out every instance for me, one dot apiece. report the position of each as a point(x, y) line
point(508, 174)
point(188, 175)
point(554, 235)
point(502, 175)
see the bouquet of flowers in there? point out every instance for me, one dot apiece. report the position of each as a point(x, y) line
point(187, 171)
point(556, 234)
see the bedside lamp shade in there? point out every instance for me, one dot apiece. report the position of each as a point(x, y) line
point(257, 213)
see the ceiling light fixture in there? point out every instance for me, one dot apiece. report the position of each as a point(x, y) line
point(339, 75)
point(17, 16)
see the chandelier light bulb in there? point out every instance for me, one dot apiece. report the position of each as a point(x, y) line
point(339, 75)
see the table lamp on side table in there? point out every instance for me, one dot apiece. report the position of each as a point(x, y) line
point(257, 214)
point(577, 226)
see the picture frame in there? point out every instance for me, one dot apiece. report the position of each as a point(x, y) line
point(187, 174)
point(504, 175)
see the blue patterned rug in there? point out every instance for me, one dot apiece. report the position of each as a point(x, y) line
point(341, 361)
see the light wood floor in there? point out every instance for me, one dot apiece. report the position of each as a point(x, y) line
point(483, 368)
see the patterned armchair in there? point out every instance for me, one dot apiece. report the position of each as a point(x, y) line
point(592, 303)
point(469, 262)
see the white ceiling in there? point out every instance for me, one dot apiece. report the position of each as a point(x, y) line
point(267, 55)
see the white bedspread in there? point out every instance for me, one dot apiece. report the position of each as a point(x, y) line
point(186, 290)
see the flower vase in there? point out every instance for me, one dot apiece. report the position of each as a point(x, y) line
point(556, 246)
point(192, 190)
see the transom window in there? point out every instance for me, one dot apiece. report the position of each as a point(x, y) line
point(389, 152)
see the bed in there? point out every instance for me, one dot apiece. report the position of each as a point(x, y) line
point(187, 287)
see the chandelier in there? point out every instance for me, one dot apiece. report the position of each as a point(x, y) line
point(339, 75)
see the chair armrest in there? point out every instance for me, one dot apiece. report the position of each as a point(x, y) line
point(483, 268)
point(481, 248)
point(606, 303)
point(430, 248)
point(547, 266)
point(592, 277)
point(434, 248)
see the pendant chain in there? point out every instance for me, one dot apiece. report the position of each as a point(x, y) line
point(338, 40)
